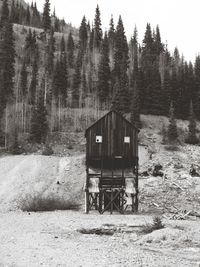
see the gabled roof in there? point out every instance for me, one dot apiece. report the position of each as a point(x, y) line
point(118, 114)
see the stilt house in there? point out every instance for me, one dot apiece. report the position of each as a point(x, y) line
point(111, 165)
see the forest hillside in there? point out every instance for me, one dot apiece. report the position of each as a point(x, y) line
point(54, 77)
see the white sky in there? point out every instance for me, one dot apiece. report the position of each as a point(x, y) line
point(178, 20)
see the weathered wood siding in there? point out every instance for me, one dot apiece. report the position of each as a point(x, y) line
point(113, 128)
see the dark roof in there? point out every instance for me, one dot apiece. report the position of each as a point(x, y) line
point(112, 111)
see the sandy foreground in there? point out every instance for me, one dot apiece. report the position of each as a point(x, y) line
point(55, 238)
point(52, 239)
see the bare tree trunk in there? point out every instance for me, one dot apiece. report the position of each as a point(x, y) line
point(6, 127)
point(45, 89)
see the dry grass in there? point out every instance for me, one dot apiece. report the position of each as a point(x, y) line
point(97, 231)
point(150, 227)
point(47, 203)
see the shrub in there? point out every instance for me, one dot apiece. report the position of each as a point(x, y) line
point(150, 227)
point(70, 147)
point(47, 203)
point(47, 151)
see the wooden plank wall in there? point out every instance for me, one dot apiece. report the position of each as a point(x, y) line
point(113, 128)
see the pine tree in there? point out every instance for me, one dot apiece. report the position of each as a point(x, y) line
point(34, 80)
point(192, 138)
point(46, 19)
point(172, 132)
point(135, 53)
point(70, 50)
point(39, 125)
point(76, 82)
point(36, 19)
point(83, 35)
point(91, 42)
point(166, 90)
point(50, 49)
point(97, 29)
point(111, 41)
point(174, 85)
point(28, 16)
point(4, 14)
point(63, 72)
point(159, 48)
point(150, 67)
point(103, 84)
point(111, 34)
point(7, 60)
point(57, 81)
point(23, 82)
point(120, 69)
point(12, 12)
point(196, 100)
point(56, 24)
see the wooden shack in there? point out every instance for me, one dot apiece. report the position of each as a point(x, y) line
point(111, 164)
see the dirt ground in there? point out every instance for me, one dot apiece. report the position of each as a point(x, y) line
point(53, 239)
point(57, 238)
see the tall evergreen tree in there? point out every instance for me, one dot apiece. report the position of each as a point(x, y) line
point(34, 80)
point(70, 50)
point(192, 138)
point(97, 29)
point(46, 19)
point(172, 132)
point(23, 82)
point(83, 35)
point(111, 34)
point(36, 19)
point(111, 41)
point(103, 84)
point(64, 72)
point(120, 68)
point(4, 14)
point(39, 124)
point(28, 16)
point(166, 90)
point(76, 82)
point(150, 68)
point(7, 60)
point(196, 100)
point(50, 49)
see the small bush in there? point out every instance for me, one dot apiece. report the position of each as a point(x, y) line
point(47, 151)
point(70, 147)
point(156, 225)
point(47, 203)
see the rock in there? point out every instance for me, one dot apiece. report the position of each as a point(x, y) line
point(193, 171)
point(144, 173)
point(157, 170)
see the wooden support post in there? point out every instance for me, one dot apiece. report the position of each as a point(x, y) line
point(136, 187)
point(87, 202)
point(111, 204)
